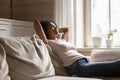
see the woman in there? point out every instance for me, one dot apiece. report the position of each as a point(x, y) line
point(74, 63)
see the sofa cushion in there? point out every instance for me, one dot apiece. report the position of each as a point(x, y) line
point(68, 78)
point(28, 58)
point(107, 54)
point(59, 69)
point(3, 65)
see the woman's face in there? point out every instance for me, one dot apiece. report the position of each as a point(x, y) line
point(53, 31)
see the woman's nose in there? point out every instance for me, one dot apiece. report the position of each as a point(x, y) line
point(57, 30)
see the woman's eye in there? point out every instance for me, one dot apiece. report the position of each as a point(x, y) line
point(53, 28)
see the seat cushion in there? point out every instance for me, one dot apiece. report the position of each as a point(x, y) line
point(68, 78)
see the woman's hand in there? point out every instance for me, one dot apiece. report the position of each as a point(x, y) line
point(65, 31)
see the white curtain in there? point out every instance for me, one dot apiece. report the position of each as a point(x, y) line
point(64, 15)
point(69, 13)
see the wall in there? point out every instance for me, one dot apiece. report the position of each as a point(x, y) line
point(32, 9)
point(5, 8)
point(28, 10)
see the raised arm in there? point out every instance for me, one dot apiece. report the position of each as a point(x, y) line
point(65, 31)
point(39, 31)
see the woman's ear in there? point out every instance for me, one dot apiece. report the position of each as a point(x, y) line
point(39, 30)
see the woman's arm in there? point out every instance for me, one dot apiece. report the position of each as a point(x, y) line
point(39, 31)
point(65, 31)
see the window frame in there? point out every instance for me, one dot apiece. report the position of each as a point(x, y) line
point(87, 23)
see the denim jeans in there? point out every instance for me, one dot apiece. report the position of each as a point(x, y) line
point(83, 68)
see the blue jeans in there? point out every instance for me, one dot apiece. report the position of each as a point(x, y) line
point(83, 68)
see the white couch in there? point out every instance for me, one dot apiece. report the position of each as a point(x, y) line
point(28, 59)
point(18, 61)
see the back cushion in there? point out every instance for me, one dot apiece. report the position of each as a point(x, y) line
point(28, 58)
point(3, 65)
point(59, 69)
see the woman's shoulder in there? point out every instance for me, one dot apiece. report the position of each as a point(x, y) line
point(54, 41)
point(61, 43)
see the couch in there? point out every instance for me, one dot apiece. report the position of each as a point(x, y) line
point(27, 58)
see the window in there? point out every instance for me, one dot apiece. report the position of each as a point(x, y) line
point(105, 15)
point(89, 18)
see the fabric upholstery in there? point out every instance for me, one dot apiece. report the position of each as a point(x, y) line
point(99, 55)
point(3, 65)
point(59, 69)
point(28, 58)
point(68, 78)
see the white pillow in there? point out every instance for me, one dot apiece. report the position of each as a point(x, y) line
point(28, 58)
point(100, 55)
point(59, 69)
point(3, 65)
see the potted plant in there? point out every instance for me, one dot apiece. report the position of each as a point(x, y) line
point(109, 38)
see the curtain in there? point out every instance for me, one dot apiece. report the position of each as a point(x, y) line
point(70, 13)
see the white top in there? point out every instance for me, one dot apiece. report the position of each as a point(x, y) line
point(65, 51)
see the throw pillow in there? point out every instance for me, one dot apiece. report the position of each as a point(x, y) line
point(28, 58)
point(3, 65)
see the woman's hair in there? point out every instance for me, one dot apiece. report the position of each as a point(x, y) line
point(45, 26)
